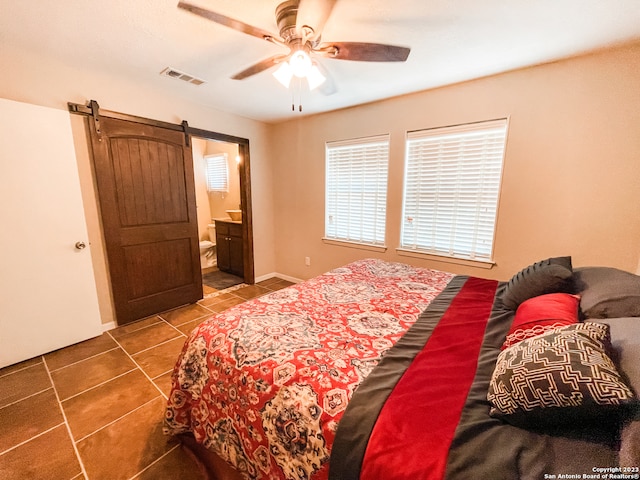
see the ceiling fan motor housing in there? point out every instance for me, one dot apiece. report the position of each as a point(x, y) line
point(286, 18)
point(286, 14)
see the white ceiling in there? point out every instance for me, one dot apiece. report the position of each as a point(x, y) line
point(450, 40)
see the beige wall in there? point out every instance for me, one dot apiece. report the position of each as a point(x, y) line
point(571, 178)
point(44, 81)
point(571, 183)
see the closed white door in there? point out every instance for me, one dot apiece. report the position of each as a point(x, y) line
point(48, 295)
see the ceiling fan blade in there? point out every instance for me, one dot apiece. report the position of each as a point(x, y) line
point(259, 67)
point(314, 14)
point(226, 21)
point(363, 52)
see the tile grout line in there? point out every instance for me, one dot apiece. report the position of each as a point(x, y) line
point(138, 365)
point(163, 373)
point(160, 320)
point(66, 421)
point(133, 369)
point(178, 330)
point(31, 438)
point(156, 461)
point(25, 398)
point(117, 420)
point(161, 343)
point(19, 370)
point(80, 361)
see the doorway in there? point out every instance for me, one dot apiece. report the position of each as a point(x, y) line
point(234, 243)
point(216, 169)
point(242, 232)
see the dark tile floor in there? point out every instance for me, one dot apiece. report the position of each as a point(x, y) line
point(94, 410)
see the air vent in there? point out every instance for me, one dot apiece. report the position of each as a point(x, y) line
point(173, 73)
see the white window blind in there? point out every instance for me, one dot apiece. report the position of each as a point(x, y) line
point(452, 184)
point(217, 173)
point(356, 190)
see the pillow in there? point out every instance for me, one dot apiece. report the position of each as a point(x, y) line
point(607, 292)
point(625, 340)
point(547, 276)
point(540, 314)
point(557, 378)
point(625, 343)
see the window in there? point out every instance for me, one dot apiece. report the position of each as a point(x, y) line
point(217, 173)
point(356, 190)
point(452, 184)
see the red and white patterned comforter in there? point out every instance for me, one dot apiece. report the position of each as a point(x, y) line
point(264, 384)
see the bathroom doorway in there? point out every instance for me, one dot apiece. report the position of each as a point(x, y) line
point(218, 187)
point(216, 167)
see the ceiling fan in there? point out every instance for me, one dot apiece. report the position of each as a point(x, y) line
point(301, 23)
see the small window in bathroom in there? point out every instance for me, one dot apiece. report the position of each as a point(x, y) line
point(217, 173)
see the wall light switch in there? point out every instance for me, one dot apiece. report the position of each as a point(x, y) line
point(307, 261)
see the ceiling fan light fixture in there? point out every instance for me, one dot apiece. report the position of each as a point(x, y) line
point(300, 63)
point(284, 74)
point(315, 77)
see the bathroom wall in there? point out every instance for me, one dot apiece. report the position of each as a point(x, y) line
point(219, 202)
point(199, 147)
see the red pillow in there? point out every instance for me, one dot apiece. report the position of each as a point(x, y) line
point(540, 314)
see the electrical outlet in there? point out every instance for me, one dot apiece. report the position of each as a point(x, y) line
point(307, 261)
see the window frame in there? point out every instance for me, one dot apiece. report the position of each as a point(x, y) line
point(224, 159)
point(335, 236)
point(473, 258)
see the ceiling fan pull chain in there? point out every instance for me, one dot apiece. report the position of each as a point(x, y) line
point(300, 94)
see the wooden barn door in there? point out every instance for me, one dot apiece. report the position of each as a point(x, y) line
point(146, 193)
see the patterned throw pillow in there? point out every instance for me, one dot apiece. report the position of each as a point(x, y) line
point(542, 314)
point(558, 377)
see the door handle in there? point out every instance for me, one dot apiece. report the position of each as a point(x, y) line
point(80, 245)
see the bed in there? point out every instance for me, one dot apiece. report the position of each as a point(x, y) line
point(382, 370)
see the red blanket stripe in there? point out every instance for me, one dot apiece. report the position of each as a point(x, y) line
point(421, 417)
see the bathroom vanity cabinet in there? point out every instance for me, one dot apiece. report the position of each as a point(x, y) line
point(229, 247)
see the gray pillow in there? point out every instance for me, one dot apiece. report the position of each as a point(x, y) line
point(546, 276)
point(607, 292)
point(625, 344)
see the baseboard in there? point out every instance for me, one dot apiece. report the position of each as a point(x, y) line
point(262, 278)
point(109, 326)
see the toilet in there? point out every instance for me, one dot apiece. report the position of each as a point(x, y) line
point(207, 248)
